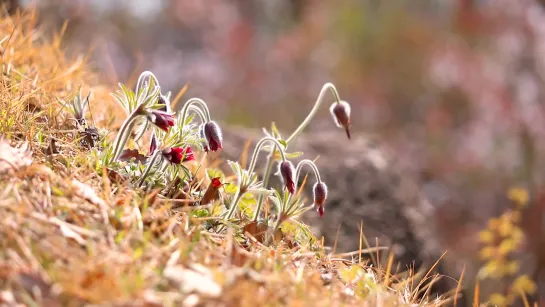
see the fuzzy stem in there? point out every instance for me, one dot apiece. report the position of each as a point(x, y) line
point(148, 168)
point(266, 177)
point(309, 163)
point(201, 103)
point(258, 149)
point(232, 209)
point(122, 135)
point(141, 80)
point(268, 168)
point(327, 86)
point(199, 113)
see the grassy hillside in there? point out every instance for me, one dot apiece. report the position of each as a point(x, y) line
point(75, 228)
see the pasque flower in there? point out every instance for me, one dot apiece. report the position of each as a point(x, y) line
point(287, 171)
point(177, 155)
point(341, 115)
point(161, 119)
point(212, 134)
point(320, 195)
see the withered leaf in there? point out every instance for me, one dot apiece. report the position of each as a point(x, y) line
point(128, 154)
point(257, 230)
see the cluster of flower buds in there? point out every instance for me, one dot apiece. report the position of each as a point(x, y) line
point(290, 176)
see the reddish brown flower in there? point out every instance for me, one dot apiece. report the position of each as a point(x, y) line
point(320, 195)
point(213, 136)
point(288, 172)
point(341, 115)
point(161, 119)
point(177, 155)
point(212, 192)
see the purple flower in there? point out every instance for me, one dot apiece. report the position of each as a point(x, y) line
point(161, 119)
point(320, 195)
point(177, 155)
point(212, 134)
point(288, 172)
point(341, 115)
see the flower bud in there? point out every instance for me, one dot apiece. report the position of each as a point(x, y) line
point(287, 171)
point(153, 144)
point(161, 119)
point(213, 136)
point(341, 115)
point(163, 103)
point(320, 195)
point(177, 155)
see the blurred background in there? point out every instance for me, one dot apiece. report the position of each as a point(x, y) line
point(456, 87)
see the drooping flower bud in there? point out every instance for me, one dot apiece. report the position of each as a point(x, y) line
point(287, 171)
point(163, 103)
point(320, 195)
point(177, 155)
point(213, 136)
point(153, 144)
point(341, 115)
point(161, 119)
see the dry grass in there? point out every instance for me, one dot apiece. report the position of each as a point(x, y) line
point(69, 237)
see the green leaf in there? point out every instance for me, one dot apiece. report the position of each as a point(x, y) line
point(275, 132)
point(230, 188)
point(293, 155)
point(214, 173)
point(198, 213)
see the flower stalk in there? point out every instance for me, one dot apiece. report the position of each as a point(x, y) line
point(123, 135)
point(251, 168)
point(148, 168)
point(317, 104)
point(200, 103)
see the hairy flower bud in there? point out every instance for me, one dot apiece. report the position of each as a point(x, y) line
point(213, 136)
point(153, 144)
point(161, 119)
point(163, 103)
point(320, 195)
point(287, 171)
point(341, 115)
point(177, 155)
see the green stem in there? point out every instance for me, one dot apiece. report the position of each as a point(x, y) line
point(258, 149)
point(268, 168)
point(327, 86)
point(266, 177)
point(232, 209)
point(148, 168)
point(198, 101)
point(309, 163)
point(123, 134)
